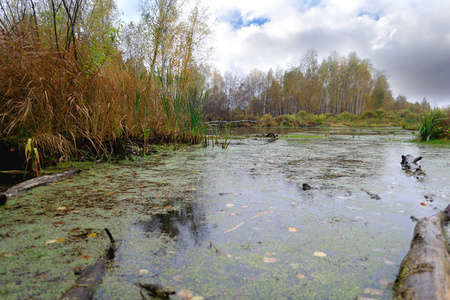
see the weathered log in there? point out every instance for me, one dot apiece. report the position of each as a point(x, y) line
point(86, 285)
point(32, 183)
point(425, 271)
point(409, 164)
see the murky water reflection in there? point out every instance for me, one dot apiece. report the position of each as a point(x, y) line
point(249, 202)
point(232, 223)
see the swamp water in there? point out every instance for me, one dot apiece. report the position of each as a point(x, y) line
point(231, 223)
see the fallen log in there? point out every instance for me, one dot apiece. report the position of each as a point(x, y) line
point(86, 285)
point(425, 271)
point(32, 183)
point(409, 164)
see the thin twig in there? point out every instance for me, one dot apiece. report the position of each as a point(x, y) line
point(211, 245)
point(242, 223)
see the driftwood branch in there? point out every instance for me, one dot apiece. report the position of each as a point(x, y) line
point(425, 270)
point(86, 285)
point(35, 182)
point(409, 164)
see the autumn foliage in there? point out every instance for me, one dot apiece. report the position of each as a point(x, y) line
point(67, 82)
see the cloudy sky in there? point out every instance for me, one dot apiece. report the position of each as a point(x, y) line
point(410, 39)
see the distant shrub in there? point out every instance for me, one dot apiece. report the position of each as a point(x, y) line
point(380, 113)
point(368, 114)
point(268, 120)
point(290, 120)
point(345, 116)
point(302, 115)
point(279, 120)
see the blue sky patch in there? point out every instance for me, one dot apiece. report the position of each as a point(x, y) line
point(375, 16)
point(236, 20)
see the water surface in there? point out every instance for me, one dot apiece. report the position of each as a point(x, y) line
point(236, 223)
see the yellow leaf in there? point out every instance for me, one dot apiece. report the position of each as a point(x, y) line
point(371, 291)
point(50, 242)
point(7, 254)
point(62, 208)
point(61, 240)
point(111, 193)
point(185, 294)
point(92, 234)
point(319, 254)
point(292, 229)
point(269, 260)
point(143, 272)
point(300, 276)
point(229, 205)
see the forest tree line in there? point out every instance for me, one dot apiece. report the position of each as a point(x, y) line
point(335, 85)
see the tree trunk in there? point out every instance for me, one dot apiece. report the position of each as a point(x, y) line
point(425, 270)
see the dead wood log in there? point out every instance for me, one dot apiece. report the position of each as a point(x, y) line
point(32, 183)
point(425, 271)
point(86, 285)
point(409, 164)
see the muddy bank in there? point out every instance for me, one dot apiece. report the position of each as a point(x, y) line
point(276, 240)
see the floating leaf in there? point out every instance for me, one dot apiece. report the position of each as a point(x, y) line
point(185, 294)
point(50, 242)
point(143, 272)
point(84, 257)
point(389, 262)
point(269, 260)
point(62, 208)
point(292, 229)
point(61, 240)
point(229, 205)
point(257, 228)
point(111, 193)
point(372, 291)
point(197, 298)
point(92, 234)
point(7, 254)
point(244, 206)
point(233, 214)
point(300, 276)
point(423, 204)
point(319, 254)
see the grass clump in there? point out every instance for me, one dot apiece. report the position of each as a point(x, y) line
point(433, 126)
